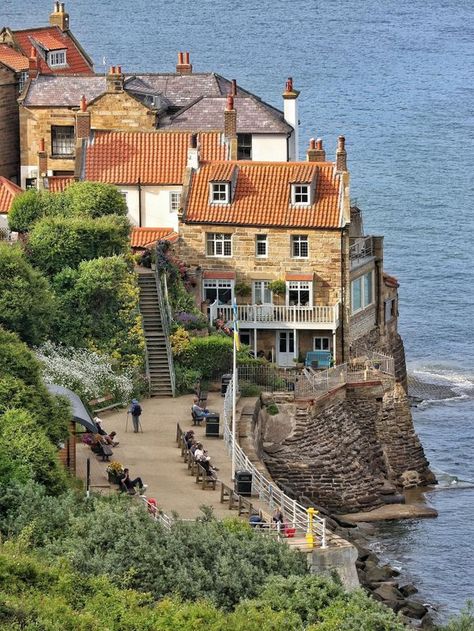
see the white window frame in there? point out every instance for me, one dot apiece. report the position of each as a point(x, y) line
point(324, 341)
point(260, 287)
point(175, 201)
point(299, 239)
point(216, 243)
point(57, 58)
point(365, 300)
point(22, 79)
point(261, 239)
point(299, 286)
point(219, 192)
point(301, 194)
point(218, 283)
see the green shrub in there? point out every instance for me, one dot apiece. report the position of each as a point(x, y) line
point(207, 354)
point(27, 304)
point(272, 409)
point(186, 379)
point(58, 242)
point(277, 287)
point(94, 199)
point(248, 389)
point(33, 205)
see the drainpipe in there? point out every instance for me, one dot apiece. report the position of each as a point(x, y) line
point(139, 187)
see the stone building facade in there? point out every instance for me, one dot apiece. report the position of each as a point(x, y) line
point(9, 124)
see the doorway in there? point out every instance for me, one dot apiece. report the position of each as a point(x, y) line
point(285, 344)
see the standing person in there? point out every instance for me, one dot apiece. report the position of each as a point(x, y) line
point(135, 410)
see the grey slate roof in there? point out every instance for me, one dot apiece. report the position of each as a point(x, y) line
point(202, 95)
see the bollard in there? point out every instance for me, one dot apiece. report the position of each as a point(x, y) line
point(309, 534)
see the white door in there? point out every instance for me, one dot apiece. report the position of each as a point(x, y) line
point(285, 344)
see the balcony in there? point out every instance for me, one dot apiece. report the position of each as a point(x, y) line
point(278, 316)
point(361, 250)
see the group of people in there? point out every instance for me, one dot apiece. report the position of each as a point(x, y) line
point(199, 454)
point(278, 521)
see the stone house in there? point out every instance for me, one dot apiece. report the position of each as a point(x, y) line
point(24, 54)
point(183, 101)
point(247, 224)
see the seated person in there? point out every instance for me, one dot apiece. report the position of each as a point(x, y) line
point(109, 439)
point(128, 485)
point(277, 517)
point(208, 468)
point(256, 520)
point(100, 429)
point(198, 411)
point(198, 452)
point(188, 438)
point(105, 449)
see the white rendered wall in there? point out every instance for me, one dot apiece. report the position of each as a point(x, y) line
point(269, 147)
point(155, 206)
point(28, 171)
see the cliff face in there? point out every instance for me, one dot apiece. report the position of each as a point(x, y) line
point(347, 451)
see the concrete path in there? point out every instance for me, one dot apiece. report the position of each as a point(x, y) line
point(154, 456)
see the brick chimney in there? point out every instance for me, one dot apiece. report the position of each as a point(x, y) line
point(230, 126)
point(42, 164)
point(315, 151)
point(33, 63)
point(115, 79)
point(193, 153)
point(83, 120)
point(183, 66)
point(59, 17)
point(341, 154)
point(290, 113)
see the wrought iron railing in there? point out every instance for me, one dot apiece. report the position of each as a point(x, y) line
point(361, 248)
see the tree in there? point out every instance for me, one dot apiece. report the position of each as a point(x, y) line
point(58, 242)
point(27, 304)
point(32, 205)
point(94, 199)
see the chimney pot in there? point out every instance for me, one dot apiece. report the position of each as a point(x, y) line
point(119, 69)
point(112, 70)
point(230, 102)
point(193, 141)
point(234, 88)
point(289, 84)
point(341, 143)
point(186, 58)
point(83, 103)
point(42, 144)
point(312, 143)
point(319, 144)
point(341, 154)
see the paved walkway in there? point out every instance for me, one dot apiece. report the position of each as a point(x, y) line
point(154, 455)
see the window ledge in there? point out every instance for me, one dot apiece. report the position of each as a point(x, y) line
point(62, 156)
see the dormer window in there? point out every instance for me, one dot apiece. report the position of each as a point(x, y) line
point(300, 194)
point(220, 192)
point(57, 58)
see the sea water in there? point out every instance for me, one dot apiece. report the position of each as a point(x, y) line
point(395, 78)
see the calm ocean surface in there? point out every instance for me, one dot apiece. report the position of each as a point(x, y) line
point(396, 79)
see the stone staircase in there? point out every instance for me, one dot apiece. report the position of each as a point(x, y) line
point(158, 362)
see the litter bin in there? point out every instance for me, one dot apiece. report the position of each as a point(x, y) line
point(212, 425)
point(243, 483)
point(226, 379)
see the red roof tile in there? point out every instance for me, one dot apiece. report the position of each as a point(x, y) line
point(8, 192)
point(12, 58)
point(390, 281)
point(145, 157)
point(147, 237)
point(52, 38)
point(263, 193)
point(58, 183)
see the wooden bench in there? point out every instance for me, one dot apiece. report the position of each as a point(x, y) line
point(197, 420)
point(204, 479)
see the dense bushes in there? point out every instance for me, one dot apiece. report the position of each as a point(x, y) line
point(27, 304)
point(32, 205)
point(207, 354)
point(58, 242)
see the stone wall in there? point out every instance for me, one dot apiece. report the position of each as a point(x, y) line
point(9, 125)
point(345, 452)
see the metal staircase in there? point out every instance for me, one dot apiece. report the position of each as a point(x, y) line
point(156, 329)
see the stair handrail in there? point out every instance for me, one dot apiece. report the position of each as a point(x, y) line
point(165, 320)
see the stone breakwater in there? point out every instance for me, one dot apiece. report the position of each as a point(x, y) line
point(352, 450)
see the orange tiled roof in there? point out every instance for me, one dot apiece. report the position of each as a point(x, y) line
point(146, 157)
point(8, 192)
point(390, 281)
point(262, 195)
point(52, 38)
point(12, 58)
point(59, 183)
point(146, 237)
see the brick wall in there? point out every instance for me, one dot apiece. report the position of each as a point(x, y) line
point(9, 125)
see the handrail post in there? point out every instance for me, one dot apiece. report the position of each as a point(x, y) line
point(323, 537)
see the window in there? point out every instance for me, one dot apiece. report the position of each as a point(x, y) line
point(244, 337)
point(220, 290)
point(261, 293)
point(299, 246)
point(31, 182)
point(244, 146)
point(390, 310)
point(300, 194)
point(219, 244)
point(362, 292)
point(175, 202)
point(299, 293)
point(63, 142)
point(22, 80)
point(261, 246)
point(321, 343)
point(57, 58)
point(220, 193)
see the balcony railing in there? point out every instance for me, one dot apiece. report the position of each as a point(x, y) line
point(278, 316)
point(361, 248)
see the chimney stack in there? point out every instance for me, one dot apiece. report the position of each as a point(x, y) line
point(59, 17)
point(183, 66)
point(233, 89)
point(315, 152)
point(83, 120)
point(230, 126)
point(42, 164)
point(290, 112)
point(33, 63)
point(115, 79)
point(341, 154)
point(193, 153)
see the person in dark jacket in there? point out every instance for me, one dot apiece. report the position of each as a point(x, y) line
point(128, 485)
point(136, 411)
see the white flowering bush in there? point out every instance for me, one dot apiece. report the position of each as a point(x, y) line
point(85, 372)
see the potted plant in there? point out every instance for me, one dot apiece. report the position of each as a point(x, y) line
point(243, 290)
point(114, 471)
point(278, 288)
point(299, 361)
